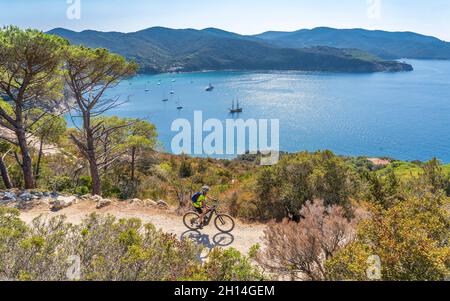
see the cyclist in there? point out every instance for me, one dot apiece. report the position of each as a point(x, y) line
point(199, 201)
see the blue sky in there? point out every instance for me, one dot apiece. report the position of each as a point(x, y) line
point(243, 16)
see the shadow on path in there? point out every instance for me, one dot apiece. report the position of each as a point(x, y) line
point(219, 240)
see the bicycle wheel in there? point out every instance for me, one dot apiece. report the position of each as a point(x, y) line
point(191, 221)
point(224, 223)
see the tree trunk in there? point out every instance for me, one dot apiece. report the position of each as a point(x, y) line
point(5, 175)
point(133, 163)
point(27, 166)
point(93, 167)
point(38, 163)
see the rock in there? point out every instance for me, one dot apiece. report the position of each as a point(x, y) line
point(46, 201)
point(3, 202)
point(96, 198)
point(87, 197)
point(26, 196)
point(136, 201)
point(37, 194)
point(25, 205)
point(62, 202)
point(150, 203)
point(9, 196)
point(162, 204)
point(102, 203)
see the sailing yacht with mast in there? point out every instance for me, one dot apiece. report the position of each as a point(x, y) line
point(179, 106)
point(164, 98)
point(209, 88)
point(236, 109)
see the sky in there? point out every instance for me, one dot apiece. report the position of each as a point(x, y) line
point(430, 17)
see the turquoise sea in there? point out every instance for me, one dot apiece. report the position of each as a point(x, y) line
point(401, 115)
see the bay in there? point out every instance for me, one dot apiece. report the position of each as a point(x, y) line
point(403, 115)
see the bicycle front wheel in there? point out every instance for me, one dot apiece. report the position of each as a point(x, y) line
point(224, 223)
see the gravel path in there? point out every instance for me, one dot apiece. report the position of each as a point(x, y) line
point(242, 238)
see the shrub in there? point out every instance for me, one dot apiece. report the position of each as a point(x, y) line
point(411, 239)
point(82, 190)
point(61, 183)
point(284, 188)
point(300, 250)
point(229, 265)
point(108, 249)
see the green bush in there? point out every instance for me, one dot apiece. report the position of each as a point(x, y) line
point(108, 249)
point(284, 188)
point(85, 181)
point(82, 190)
point(61, 183)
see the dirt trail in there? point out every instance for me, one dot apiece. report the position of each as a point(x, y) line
point(242, 238)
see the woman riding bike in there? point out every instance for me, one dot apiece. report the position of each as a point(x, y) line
point(203, 214)
point(200, 200)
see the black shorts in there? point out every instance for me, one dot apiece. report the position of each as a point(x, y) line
point(199, 210)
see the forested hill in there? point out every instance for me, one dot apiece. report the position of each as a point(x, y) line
point(161, 49)
point(387, 45)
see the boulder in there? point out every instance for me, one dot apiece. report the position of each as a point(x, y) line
point(137, 202)
point(4, 202)
point(62, 202)
point(101, 203)
point(162, 204)
point(37, 194)
point(87, 197)
point(9, 196)
point(151, 203)
point(96, 198)
point(26, 196)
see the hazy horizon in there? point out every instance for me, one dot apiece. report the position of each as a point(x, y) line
point(244, 17)
point(187, 28)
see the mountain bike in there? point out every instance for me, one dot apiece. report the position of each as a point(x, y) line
point(223, 222)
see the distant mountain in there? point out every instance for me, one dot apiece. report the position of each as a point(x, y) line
point(160, 49)
point(387, 45)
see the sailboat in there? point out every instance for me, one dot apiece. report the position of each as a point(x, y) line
point(209, 88)
point(146, 88)
point(179, 106)
point(164, 98)
point(237, 109)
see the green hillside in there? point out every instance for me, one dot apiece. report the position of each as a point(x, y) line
point(161, 49)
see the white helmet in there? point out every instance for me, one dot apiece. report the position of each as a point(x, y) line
point(205, 189)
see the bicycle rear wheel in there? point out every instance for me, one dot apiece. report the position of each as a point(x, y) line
point(224, 223)
point(192, 221)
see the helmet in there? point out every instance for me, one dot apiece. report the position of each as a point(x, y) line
point(205, 189)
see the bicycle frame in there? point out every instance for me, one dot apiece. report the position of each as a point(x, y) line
point(209, 216)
